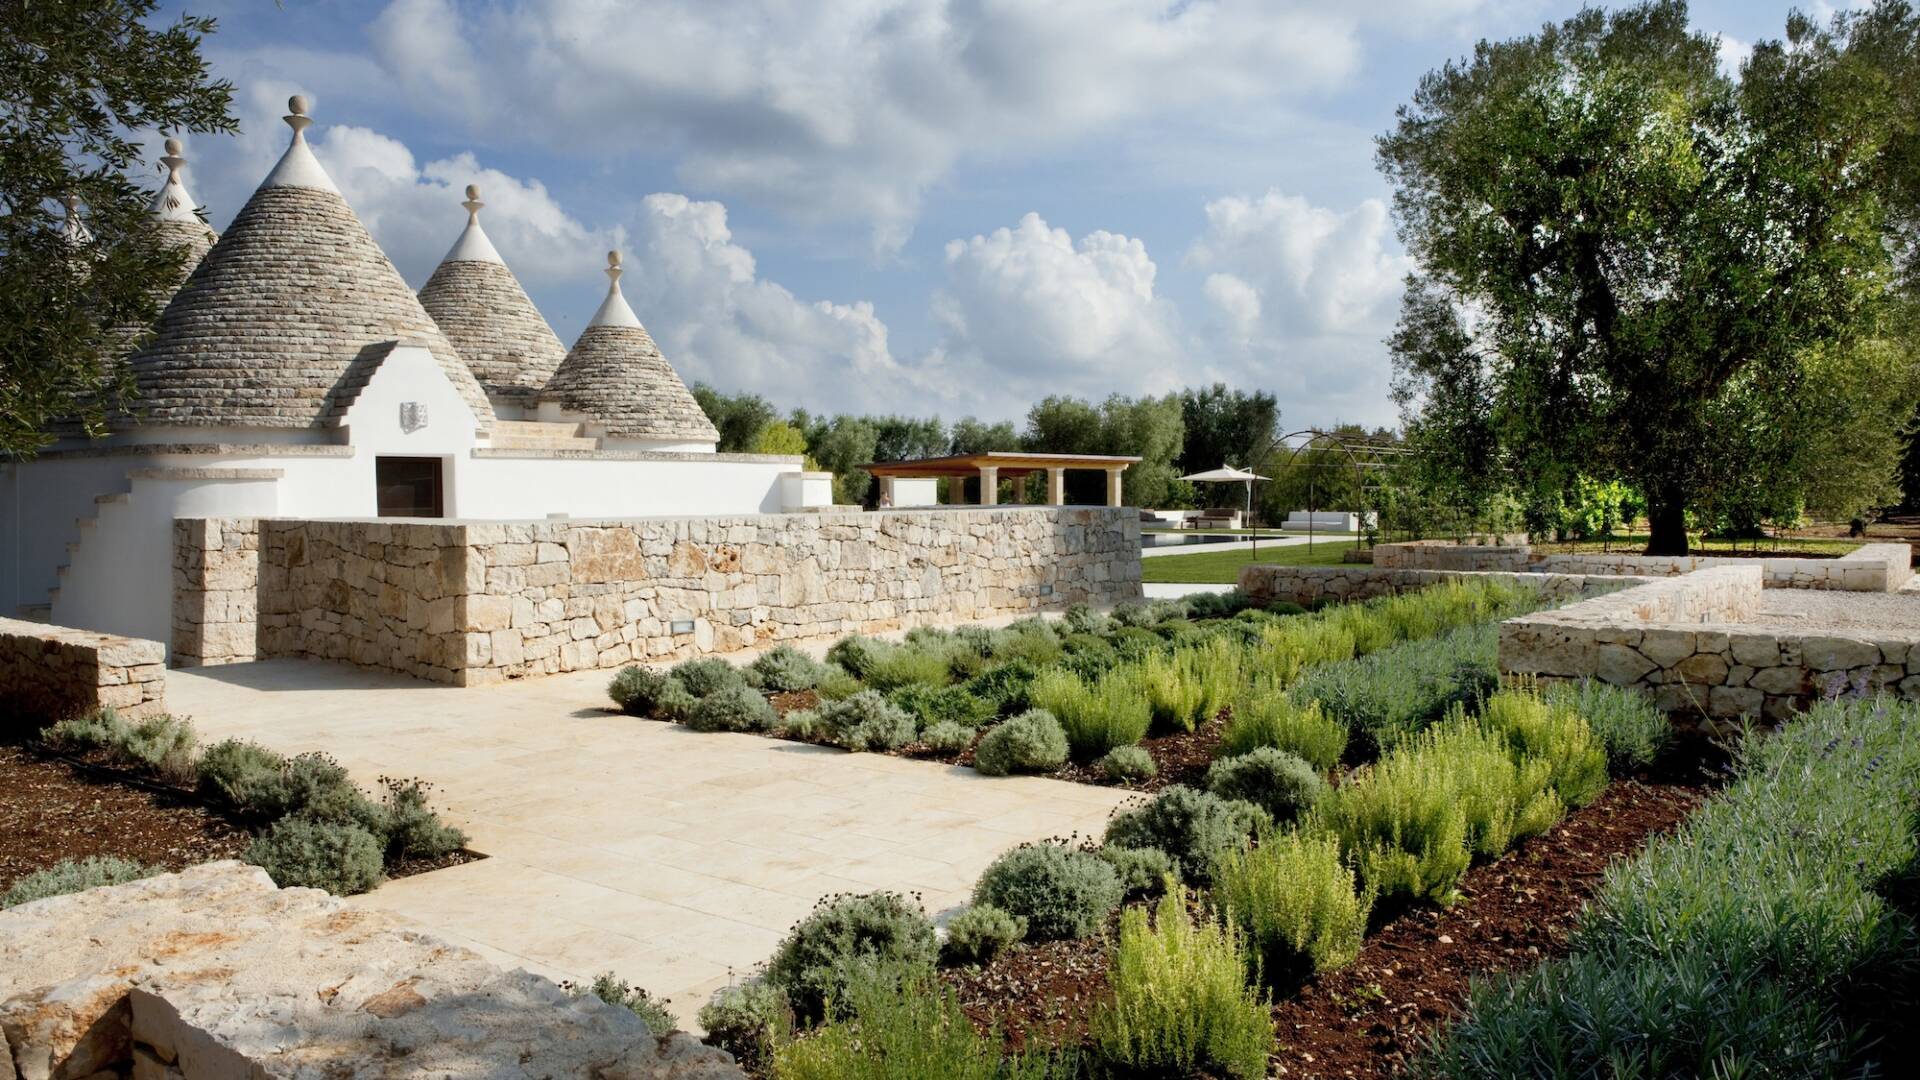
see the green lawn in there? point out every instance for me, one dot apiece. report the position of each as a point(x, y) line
point(1635, 543)
point(1223, 567)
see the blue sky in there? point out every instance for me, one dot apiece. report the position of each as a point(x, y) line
point(951, 206)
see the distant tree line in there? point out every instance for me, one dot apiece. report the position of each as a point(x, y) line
point(1190, 431)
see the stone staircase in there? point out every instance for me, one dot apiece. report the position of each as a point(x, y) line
point(539, 435)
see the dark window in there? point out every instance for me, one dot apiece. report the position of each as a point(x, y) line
point(408, 486)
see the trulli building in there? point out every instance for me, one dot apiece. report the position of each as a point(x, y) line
point(295, 375)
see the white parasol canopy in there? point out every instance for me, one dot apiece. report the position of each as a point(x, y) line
point(1229, 475)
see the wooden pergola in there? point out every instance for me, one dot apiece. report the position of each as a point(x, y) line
point(990, 467)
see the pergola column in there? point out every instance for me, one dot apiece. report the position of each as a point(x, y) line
point(989, 485)
point(886, 491)
point(1056, 487)
point(1114, 497)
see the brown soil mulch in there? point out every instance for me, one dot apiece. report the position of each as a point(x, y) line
point(76, 808)
point(1182, 758)
point(1366, 1019)
point(53, 811)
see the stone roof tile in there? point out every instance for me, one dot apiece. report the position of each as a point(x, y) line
point(488, 317)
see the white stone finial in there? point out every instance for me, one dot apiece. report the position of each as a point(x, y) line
point(73, 229)
point(172, 202)
point(614, 310)
point(473, 204)
point(297, 117)
point(297, 167)
point(173, 160)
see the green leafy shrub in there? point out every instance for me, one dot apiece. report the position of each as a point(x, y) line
point(750, 1021)
point(707, 675)
point(1029, 642)
point(318, 787)
point(1123, 763)
point(615, 991)
point(1273, 780)
point(906, 1031)
point(1771, 935)
point(1296, 903)
point(947, 737)
point(1136, 643)
point(1030, 742)
point(1142, 871)
point(72, 876)
point(243, 775)
point(784, 669)
point(943, 705)
point(339, 857)
point(1061, 891)
point(1180, 1002)
point(636, 690)
point(733, 708)
point(1386, 696)
point(836, 684)
point(980, 933)
point(1004, 686)
point(1413, 822)
point(675, 701)
point(1631, 728)
point(855, 653)
point(844, 937)
point(800, 724)
point(1217, 605)
point(1268, 716)
point(1554, 734)
point(411, 829)
point(97, 730)
point(1194, 827)
point(1112, 711)
point(896, 666)
point(866, 721)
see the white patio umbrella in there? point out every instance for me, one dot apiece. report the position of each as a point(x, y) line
point(1227, 474)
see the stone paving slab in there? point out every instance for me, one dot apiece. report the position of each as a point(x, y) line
point(674, 859)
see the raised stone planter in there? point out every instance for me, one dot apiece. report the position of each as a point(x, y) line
point(1692, 642)
point(214, 973)
point(1303, 585)
point(1869, 568)
point(48, 673)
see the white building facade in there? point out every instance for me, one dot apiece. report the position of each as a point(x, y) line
point(294, 375)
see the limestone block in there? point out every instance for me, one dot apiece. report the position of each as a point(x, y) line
point(1783, 680)
point(1619, 665)
point(1666, 646)
point(1838, 653)
point(1702, 669)
point(1754, 649)
point(1732, 701)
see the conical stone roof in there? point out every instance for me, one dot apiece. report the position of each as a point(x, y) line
point(484, 312)
point(616, 376)
point(174, 217)
point(273, 324)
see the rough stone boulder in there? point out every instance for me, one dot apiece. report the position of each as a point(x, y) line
point(215, 973)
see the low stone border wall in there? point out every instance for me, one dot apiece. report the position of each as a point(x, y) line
point(48, 673)
point(213, 973)
point(478, 602)
point(1869, 568)
point(1687, 641)
point(1315, 584)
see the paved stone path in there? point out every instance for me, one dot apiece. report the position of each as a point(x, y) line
point(669, 857)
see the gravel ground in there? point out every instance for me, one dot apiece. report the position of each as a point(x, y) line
point(1838, 610)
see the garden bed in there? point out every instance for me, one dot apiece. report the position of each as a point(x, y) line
point(1413, 973)
point(76, 806)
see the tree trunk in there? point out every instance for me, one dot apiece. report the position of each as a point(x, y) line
point(1666, 525)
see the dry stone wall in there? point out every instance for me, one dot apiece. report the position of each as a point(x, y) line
point(478, 602)
point(1868, 568)
point(48, 673)
point(213, 973)
point(1692, 643)
point(1339, 584)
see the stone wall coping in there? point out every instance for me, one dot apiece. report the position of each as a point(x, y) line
point(327, 450)
point(512, 452)
point(822, 517)
point(134, 650)
point(164, 473)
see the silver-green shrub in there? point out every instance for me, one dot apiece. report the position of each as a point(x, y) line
point(784, 669)
point(1196, 828)
point(636, 689)
point(72, 876)
point(1142, 871)
point(750, 1021)
point(1061, 891)
point(1623, 718)
point(1127, 763)
point(1274, 780)
point(411, 828)
point(706, 675)
point(615, 991)
point(243, 775)
point(1030, 742)
point(299, 851)
point(980, 933)
point(866, 721)
point(947, 737)
point(845, 938)
point(733, 708)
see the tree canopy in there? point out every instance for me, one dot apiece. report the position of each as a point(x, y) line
point(1634, 265)
point(79, 80)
